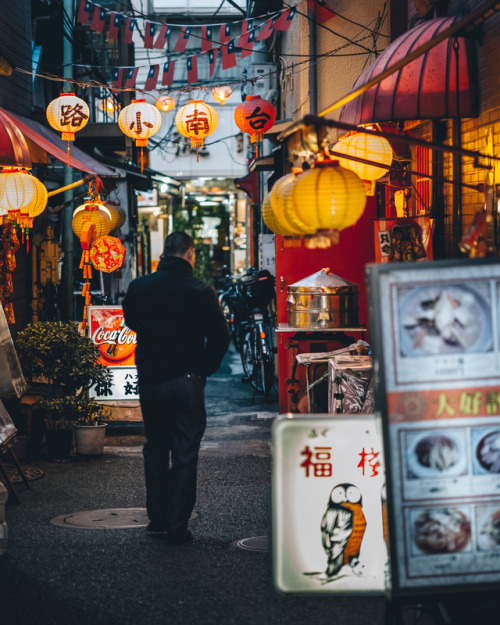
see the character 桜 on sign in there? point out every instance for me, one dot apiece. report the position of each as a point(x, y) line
point(369, 458)
point(342, 529)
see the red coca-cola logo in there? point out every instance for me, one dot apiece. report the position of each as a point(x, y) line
point(114, 339)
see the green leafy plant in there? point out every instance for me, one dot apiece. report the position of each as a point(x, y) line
point(62, 365)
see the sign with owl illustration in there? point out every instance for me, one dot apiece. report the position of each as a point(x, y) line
point(329, 531)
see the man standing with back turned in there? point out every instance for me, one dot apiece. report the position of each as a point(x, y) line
point(182, 336)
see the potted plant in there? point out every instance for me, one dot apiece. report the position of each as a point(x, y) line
point(61, 365)
point(90, 427)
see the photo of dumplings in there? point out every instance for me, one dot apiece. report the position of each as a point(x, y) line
point(441, 530)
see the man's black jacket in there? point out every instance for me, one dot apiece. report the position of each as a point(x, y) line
point(179, 323)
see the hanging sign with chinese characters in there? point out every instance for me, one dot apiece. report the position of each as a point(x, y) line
point(435, 329)
point(116, 343)
point(328, 492)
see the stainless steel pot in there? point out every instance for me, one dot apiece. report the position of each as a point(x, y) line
point(323, 300)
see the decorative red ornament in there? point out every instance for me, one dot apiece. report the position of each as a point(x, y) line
point(87, 237)
point(255, 116)
point(107, 254)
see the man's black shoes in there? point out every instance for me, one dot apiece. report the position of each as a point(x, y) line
point(160, 531)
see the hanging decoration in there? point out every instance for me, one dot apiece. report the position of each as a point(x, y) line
point(22, 197)
point(222, 94)
point(196, 120)
point(140, 120)
point(367, 147)
point(325, 200)
point(118, 216)
point(9, 244)
point(255, 116)
point(165, 103)
point(95, 213)
point(107, 254)
point(87, 237)
point(109, 105)
point(68, 114)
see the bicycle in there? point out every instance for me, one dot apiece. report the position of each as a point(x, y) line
point(257, 338)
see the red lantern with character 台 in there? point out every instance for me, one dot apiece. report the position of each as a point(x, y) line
point(255, 116)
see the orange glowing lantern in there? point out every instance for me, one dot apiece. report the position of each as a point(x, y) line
point(165, 103)
point(107, 254)
point(118, 216)
point(22, 196)
point(196, 120)
point(140, 120)
point(109, 105)
point(367, 147)
point(68, 114)
point(255, 116)
point(222, 94)
point(95, 213)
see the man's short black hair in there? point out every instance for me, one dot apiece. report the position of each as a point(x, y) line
point(177, 244)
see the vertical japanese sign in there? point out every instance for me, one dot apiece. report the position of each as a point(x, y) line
point(116, 343)
point(435, 329)
point(328, 505)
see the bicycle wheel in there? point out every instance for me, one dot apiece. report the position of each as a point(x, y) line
point(247, 353)
point(228, 311)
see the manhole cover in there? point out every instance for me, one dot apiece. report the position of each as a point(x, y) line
point(110, 518)
point(254, 543)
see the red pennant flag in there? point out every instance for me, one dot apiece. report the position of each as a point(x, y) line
point(285, 19)
point(247, 38)
point(131, 78)
point(149, 34)
point(163, 36)
point(192, 69)
point(182, 39)
point(152, 78)
point(267, 28)
point(84, 12)
point(228, 51)
point(116, 78)
point(320, 10)
point(206, 38)
point(129, 29)
point(114, 25)
point(212, 57)
point(98, 19)
point(168, 73)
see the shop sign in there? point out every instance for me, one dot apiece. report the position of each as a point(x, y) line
point(116, 343)
point(328, 493)
point(435, 329)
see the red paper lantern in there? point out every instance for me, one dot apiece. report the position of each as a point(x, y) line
point(107, 254)
point(255, 116)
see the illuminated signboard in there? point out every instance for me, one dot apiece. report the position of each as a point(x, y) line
point(116, 343)
point(435, 330)
point(328, 505)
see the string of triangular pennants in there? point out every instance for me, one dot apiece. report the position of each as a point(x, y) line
point(156, 36)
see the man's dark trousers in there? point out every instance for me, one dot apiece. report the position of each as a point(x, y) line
point(174, 420)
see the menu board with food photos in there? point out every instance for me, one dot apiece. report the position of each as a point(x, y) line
point(435, 331)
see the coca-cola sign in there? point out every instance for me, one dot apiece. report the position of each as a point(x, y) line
point(116, 342)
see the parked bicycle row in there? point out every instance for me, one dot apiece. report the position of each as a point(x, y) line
point(249, 303)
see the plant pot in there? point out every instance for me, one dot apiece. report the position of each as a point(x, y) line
point(59, 443)
point(90, 439)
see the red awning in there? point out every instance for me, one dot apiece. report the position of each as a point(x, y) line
point(425, 88)
point(14, 151)
point(54, 145)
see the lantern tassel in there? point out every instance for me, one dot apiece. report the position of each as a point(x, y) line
point(68, 153)
point(142, 160)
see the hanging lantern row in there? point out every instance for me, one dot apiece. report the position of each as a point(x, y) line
point(141, 120)
point(316, 203)
point(22, 198)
